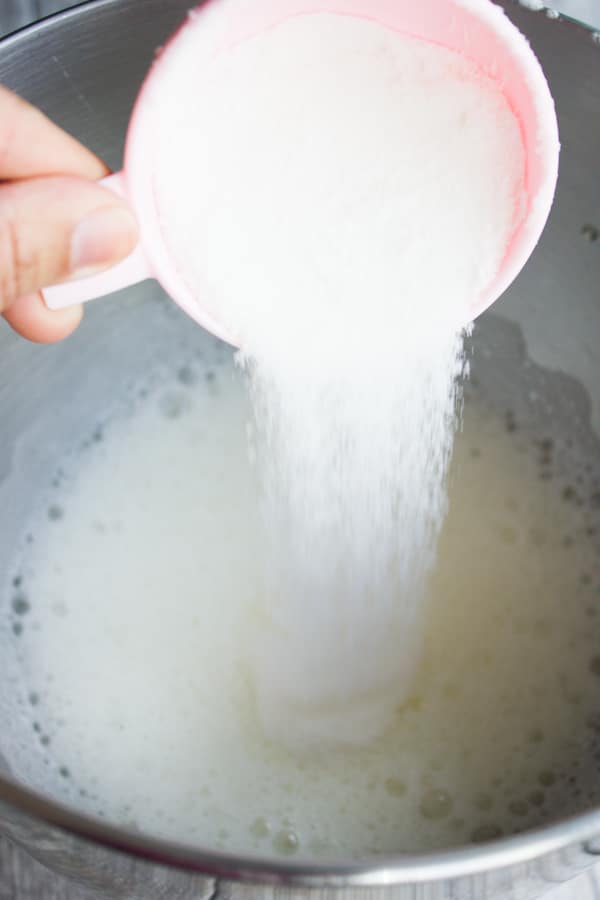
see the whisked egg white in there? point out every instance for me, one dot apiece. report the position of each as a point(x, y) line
point(132, 616)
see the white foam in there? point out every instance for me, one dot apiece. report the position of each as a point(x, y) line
point(137, 633)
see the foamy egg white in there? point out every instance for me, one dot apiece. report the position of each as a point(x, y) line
point(131, 614)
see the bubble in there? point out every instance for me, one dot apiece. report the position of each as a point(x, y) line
point(187, 376)
point(537, 798)
point(395, 787)
point(286, 843)
point(547, 778)
point(484, 802)
point(64, 772)
point(34, 698)
point(485, 833)
point(518, 808)
point(20, 604)
point(17, 629)
point(451, 691)
point(55, 513)
point(173, 405)
point(414, 703)
point(17, 581)
point(538, 537)
point(260, 828)
point(595, 666)
point(436, 804)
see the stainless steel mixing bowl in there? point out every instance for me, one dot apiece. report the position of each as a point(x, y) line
point(83, 68)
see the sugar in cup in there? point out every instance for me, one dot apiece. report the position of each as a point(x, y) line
point(477, 29)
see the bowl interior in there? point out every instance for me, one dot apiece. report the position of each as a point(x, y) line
point(50, 397)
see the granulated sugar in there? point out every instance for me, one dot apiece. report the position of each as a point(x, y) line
point(339, 198)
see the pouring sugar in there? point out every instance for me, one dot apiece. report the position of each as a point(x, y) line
point(354, 191)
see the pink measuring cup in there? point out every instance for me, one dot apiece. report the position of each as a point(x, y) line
point(477, 29)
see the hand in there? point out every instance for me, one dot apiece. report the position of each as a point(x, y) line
point(56, 223)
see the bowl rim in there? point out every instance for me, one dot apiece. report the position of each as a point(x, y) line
point(388, 870)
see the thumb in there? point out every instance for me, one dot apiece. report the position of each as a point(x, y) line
point(55, 229)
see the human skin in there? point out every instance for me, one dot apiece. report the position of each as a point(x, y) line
point(56, 222)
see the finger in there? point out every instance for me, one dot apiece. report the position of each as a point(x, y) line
point(32, 145)
point(54, 229)
point(31, 318)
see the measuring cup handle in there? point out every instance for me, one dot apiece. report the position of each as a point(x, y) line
point(133, 269)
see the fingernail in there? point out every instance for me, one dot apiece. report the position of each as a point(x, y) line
point(102, 239)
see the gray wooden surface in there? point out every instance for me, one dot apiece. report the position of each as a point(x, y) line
point(23, 879)
point(20, 877)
